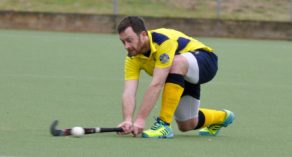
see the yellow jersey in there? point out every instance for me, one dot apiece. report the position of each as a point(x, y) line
point(164, 45)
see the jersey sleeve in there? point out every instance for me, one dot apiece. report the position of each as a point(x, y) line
point(132, 68)
point(165, 54)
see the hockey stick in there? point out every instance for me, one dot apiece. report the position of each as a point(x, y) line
point(67, 132)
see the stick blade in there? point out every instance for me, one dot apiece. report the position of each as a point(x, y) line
point(54, 131)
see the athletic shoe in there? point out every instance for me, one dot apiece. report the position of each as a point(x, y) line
point(213, 130)
point(160, 129)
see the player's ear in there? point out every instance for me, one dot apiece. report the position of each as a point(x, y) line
point(143, 35)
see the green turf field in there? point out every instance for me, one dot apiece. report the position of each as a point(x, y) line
point(78, 79)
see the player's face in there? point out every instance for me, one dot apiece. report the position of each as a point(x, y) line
point(133, 43)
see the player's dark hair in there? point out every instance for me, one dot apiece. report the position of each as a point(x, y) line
point(136, 22)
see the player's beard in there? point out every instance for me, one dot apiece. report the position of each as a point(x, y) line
point(137, 50)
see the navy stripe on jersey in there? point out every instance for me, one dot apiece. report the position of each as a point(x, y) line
point(158, 38)
point(182, 43)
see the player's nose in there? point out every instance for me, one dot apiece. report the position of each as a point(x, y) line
point(127, 46)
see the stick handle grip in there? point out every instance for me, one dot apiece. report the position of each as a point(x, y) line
point(101, 130)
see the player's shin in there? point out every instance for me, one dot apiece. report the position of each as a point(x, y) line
point(172, 92)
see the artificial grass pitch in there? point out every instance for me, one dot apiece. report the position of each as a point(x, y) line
point(77, 78)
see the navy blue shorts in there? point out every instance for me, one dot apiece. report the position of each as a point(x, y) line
point(208, 66)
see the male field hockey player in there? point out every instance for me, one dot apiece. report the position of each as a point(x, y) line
point(178, 64)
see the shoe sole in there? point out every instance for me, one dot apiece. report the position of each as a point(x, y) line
point(208, 134)
point(159, 137)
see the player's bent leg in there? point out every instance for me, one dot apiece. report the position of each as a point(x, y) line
point(189, 117)
point(202, 68)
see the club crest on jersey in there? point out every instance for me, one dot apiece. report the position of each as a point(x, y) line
point(164, 58)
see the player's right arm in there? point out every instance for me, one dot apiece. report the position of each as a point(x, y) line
point(132, 72)
point(129, 103)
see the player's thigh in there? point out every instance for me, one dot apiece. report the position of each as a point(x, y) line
point(208, 65)
point(202, 68)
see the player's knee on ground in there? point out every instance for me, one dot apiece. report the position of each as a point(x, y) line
point(187, 125)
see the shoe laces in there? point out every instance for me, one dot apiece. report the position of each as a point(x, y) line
point(157, 124)
point(214, 127)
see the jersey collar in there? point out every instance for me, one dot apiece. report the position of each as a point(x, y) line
point(152, 47)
